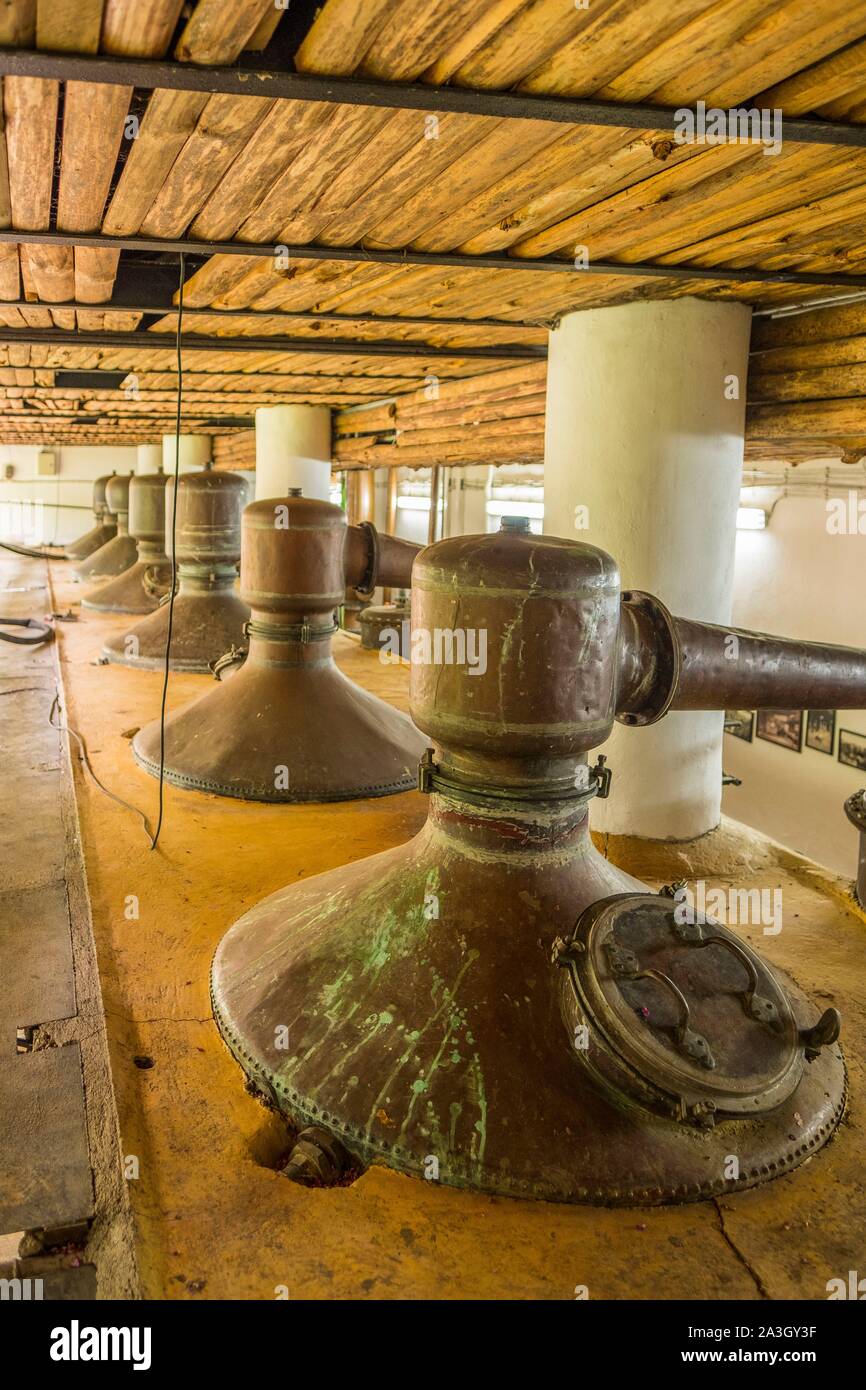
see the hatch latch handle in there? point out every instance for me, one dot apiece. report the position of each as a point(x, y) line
point(625, 965)
point(825, 1032)
point(758, 1005)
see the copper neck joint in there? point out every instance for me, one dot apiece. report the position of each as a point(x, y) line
point(204, 579)
point(279, 644)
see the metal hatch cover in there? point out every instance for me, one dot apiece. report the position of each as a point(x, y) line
point(685, 1018)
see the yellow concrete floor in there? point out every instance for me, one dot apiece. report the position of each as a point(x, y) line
point(212, 1217)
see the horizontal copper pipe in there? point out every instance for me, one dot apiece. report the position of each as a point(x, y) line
point(374, 558)
point(668, 663)
point(726, 667)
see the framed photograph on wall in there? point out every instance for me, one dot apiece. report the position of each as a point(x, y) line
point(740, 723)
point(784, 727)
point(821, 730)
point(852, 749)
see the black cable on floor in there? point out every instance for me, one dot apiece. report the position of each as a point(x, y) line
point(41, 632)
point(32, 553)
point(35, 631)
point(179, 350)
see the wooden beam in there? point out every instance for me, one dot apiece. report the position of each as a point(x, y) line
point(818, 383)
point(800, 420)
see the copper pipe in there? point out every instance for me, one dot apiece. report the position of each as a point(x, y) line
point(766, 673)
point(680, 664)
point(373, 558)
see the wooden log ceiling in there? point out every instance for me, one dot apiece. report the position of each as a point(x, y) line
point(114, 157)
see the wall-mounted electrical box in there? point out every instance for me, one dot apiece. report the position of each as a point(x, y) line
point(46, 464)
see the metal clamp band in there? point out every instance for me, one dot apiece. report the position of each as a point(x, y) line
point(431, 779)
point(293, 632)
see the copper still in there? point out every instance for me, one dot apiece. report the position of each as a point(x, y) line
point(289, 726)
point(140, 588)
point(855, 810)
point(496, 1005)
point(105, 527)
point(209, 616)
point(117, 554)
point(385, 627)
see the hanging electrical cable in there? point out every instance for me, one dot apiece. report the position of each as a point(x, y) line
point(173, 553)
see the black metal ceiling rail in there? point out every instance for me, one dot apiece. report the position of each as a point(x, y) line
point(191, 373)
point(110, 379)
point(398, 96)
point(92, 420)
point(145, 306)
point(200, 342)
point(360, 255)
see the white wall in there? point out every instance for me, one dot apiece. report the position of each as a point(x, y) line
point(797, 580)
point(61, 505)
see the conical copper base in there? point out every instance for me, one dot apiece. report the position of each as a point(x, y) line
point(132, 591)
point(92, 540)
point(289, 726)
point(207, 623)
point(109, 560)
point(427, 1028)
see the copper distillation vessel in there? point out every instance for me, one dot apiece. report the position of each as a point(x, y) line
point(289, 725)
point(141, 586)
point(117, 554)
point(495, 996)
point(209, 616)
point(104, 529)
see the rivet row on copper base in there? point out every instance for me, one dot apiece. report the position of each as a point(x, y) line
point(358, 1143)
point(179, 779)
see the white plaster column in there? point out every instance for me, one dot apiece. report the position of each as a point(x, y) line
point(195, 451)
point(466, 506)
point(643, 458)
point(476, 482)
point(293, 449)
point(148, 458)
point(381, 478)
